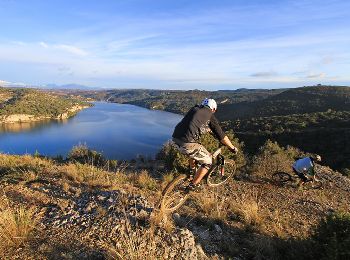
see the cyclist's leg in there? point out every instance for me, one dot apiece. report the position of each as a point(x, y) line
point(192, 164)
point(203, 157)
point(302, 178)
point(198, 153)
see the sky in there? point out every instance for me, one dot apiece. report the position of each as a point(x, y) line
point(175, 44)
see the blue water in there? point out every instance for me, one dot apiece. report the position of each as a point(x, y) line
point(118, 131)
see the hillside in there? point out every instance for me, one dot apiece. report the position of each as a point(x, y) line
point(315, 119)
point(68, 210)
point(177, 101)
point(21, 105)
point(293, 101)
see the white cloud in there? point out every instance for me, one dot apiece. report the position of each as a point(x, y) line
point(71, 49)
point(43, 44)
point(313, 75)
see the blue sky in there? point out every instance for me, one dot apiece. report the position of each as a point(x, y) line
point(175, 44)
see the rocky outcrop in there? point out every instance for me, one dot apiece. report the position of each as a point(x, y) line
point(19, 118)
point(120, 220)
point(71, 112)
point(15, 118)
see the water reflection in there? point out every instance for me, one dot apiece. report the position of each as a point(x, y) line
point(29, 126)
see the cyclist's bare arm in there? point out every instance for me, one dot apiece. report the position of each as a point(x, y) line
point(226, 141)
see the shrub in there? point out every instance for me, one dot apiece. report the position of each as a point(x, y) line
point(212, 144)
point(332, 237)
point(174, 160)
point(272, 158)
point(82, 154)
point(346, 172)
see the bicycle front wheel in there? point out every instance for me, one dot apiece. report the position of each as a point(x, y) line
point(174, 195)
point(220, 174)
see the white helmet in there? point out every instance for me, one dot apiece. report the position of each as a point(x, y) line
point(209, 102)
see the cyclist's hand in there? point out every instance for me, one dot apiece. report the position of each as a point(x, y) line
point(234, 150)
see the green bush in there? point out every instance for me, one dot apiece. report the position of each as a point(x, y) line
point(82, 154)
point(332, 237)
point(346, 172)
point(174, 160)
point(272, 158)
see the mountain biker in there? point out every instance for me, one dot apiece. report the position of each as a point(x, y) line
point(199, 119)
point(305, 167)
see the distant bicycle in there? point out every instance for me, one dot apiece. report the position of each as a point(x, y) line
point(174, 194)
point(283, 178)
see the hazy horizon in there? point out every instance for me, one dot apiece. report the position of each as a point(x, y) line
point(205, 45)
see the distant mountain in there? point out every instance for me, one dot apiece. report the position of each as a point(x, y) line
point(4, 83)
point(71, 86)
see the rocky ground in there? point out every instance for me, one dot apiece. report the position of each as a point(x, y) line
point(244, 219)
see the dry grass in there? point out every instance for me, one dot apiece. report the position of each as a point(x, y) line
point(213, 205)
point(144, 181)
point(277, 224)
point(249, 211)
point(160, 218)
point(24, 168)
point(133, 243)
point(92, 176)
point(16, 225)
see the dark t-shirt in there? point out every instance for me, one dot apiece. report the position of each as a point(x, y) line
point(195, 123)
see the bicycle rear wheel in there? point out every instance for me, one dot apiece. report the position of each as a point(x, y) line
point(281, 177)
point(217, 177)
point(174, 195)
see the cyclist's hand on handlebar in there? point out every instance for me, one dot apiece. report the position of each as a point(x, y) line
point(234, 150)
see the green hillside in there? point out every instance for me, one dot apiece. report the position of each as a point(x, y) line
point(178, 101)
point(35, 102)
point(316, 119)
point(292, 101)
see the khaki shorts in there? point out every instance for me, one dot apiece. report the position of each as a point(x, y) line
point(195, 151)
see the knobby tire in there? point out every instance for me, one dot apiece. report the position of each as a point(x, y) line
point(281, 177)
point(215, 178)
point(173, 194)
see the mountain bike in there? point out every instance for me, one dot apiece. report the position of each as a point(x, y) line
point(283, 178)
point(174, 194)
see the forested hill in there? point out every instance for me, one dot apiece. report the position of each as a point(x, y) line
point(177, 101)
point(293, 101)
point(18, 104)
point(314, 119)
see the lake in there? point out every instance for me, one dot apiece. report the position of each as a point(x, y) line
point(119, 131)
